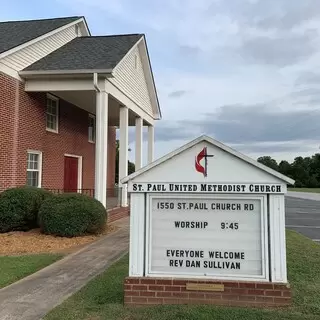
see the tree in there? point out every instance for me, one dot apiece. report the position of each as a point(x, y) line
point(285, 168)
point(269, 162)
point(131, 166)
point(305, 171)
point(301, 171)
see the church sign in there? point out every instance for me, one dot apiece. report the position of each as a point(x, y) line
point(208, 213)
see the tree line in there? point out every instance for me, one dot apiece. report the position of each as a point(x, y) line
point(305, 171)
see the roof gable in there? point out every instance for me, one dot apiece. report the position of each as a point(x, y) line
point(85, 53)
point(227, 165)
point(133, 75)
point(16, 33)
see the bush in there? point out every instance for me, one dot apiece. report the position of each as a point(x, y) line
point(19, 208)
point(70, 215)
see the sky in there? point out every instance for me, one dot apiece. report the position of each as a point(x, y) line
point(245, 72)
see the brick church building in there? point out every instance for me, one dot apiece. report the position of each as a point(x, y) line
point(63, 94)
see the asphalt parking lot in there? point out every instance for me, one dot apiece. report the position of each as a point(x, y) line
point(303, 215)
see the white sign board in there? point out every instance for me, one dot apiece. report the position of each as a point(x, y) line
point(206, 236)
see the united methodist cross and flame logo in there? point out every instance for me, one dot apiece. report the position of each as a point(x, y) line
point(203, 154)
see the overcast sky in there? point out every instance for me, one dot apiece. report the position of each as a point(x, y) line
point(245, 72)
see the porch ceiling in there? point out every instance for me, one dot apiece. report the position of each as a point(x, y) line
point(87, 100)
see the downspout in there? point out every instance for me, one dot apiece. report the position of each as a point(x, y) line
point(95, 82)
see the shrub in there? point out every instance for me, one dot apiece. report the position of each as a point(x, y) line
point(72, 214)
point(19, 208)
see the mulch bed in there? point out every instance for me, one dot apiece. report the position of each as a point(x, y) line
point(33, 242)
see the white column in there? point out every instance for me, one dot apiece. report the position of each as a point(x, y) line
point(137, 235)
point(150, 143)
point(101, 155)
point(139, 128)
point(123, 153)
point(278, 255)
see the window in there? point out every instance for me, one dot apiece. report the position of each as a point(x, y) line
point(92, 128)
point(52, 113)
point(34, 165)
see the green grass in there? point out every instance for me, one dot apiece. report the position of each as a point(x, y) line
point(312, 190)
point(14, 268)
point(102, 298)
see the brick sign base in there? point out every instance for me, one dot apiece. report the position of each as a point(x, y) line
point(150, 291)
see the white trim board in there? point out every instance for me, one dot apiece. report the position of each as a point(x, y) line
point(214, 143)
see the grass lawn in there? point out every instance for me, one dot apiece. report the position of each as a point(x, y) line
point(312, 190)
point(14, 268)
point(102, 298)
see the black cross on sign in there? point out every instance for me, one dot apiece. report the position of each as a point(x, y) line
point(206, 156)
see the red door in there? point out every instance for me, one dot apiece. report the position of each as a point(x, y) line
point(70, 174)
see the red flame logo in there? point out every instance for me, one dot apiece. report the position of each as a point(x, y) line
point(202, 155)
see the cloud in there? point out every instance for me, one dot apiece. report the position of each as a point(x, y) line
point(308, 92)
point(275, 147)
point(192, 51)
point(177, 93)
point(308, 78)
point(261, 32)
point(171, 132)
point(239, 59)
point(288, 14)
point(278, 15)
point(280, 51)
point(308, 97)
point(235, 124)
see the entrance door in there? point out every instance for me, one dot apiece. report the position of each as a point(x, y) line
point(70, 174)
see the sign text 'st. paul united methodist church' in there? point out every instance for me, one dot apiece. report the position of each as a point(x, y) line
point(206, 188)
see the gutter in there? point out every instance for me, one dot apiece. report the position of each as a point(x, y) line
point(64, 72)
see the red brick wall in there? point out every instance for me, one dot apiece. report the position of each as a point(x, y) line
point(8, 102)
point(149, 291)
point(23, 127)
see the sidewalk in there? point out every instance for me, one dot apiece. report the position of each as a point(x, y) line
point(34, 296)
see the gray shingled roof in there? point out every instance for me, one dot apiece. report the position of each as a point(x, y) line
point(101, 52)
point(15, 33)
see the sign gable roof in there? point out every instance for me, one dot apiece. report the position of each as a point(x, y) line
point(217, 144)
